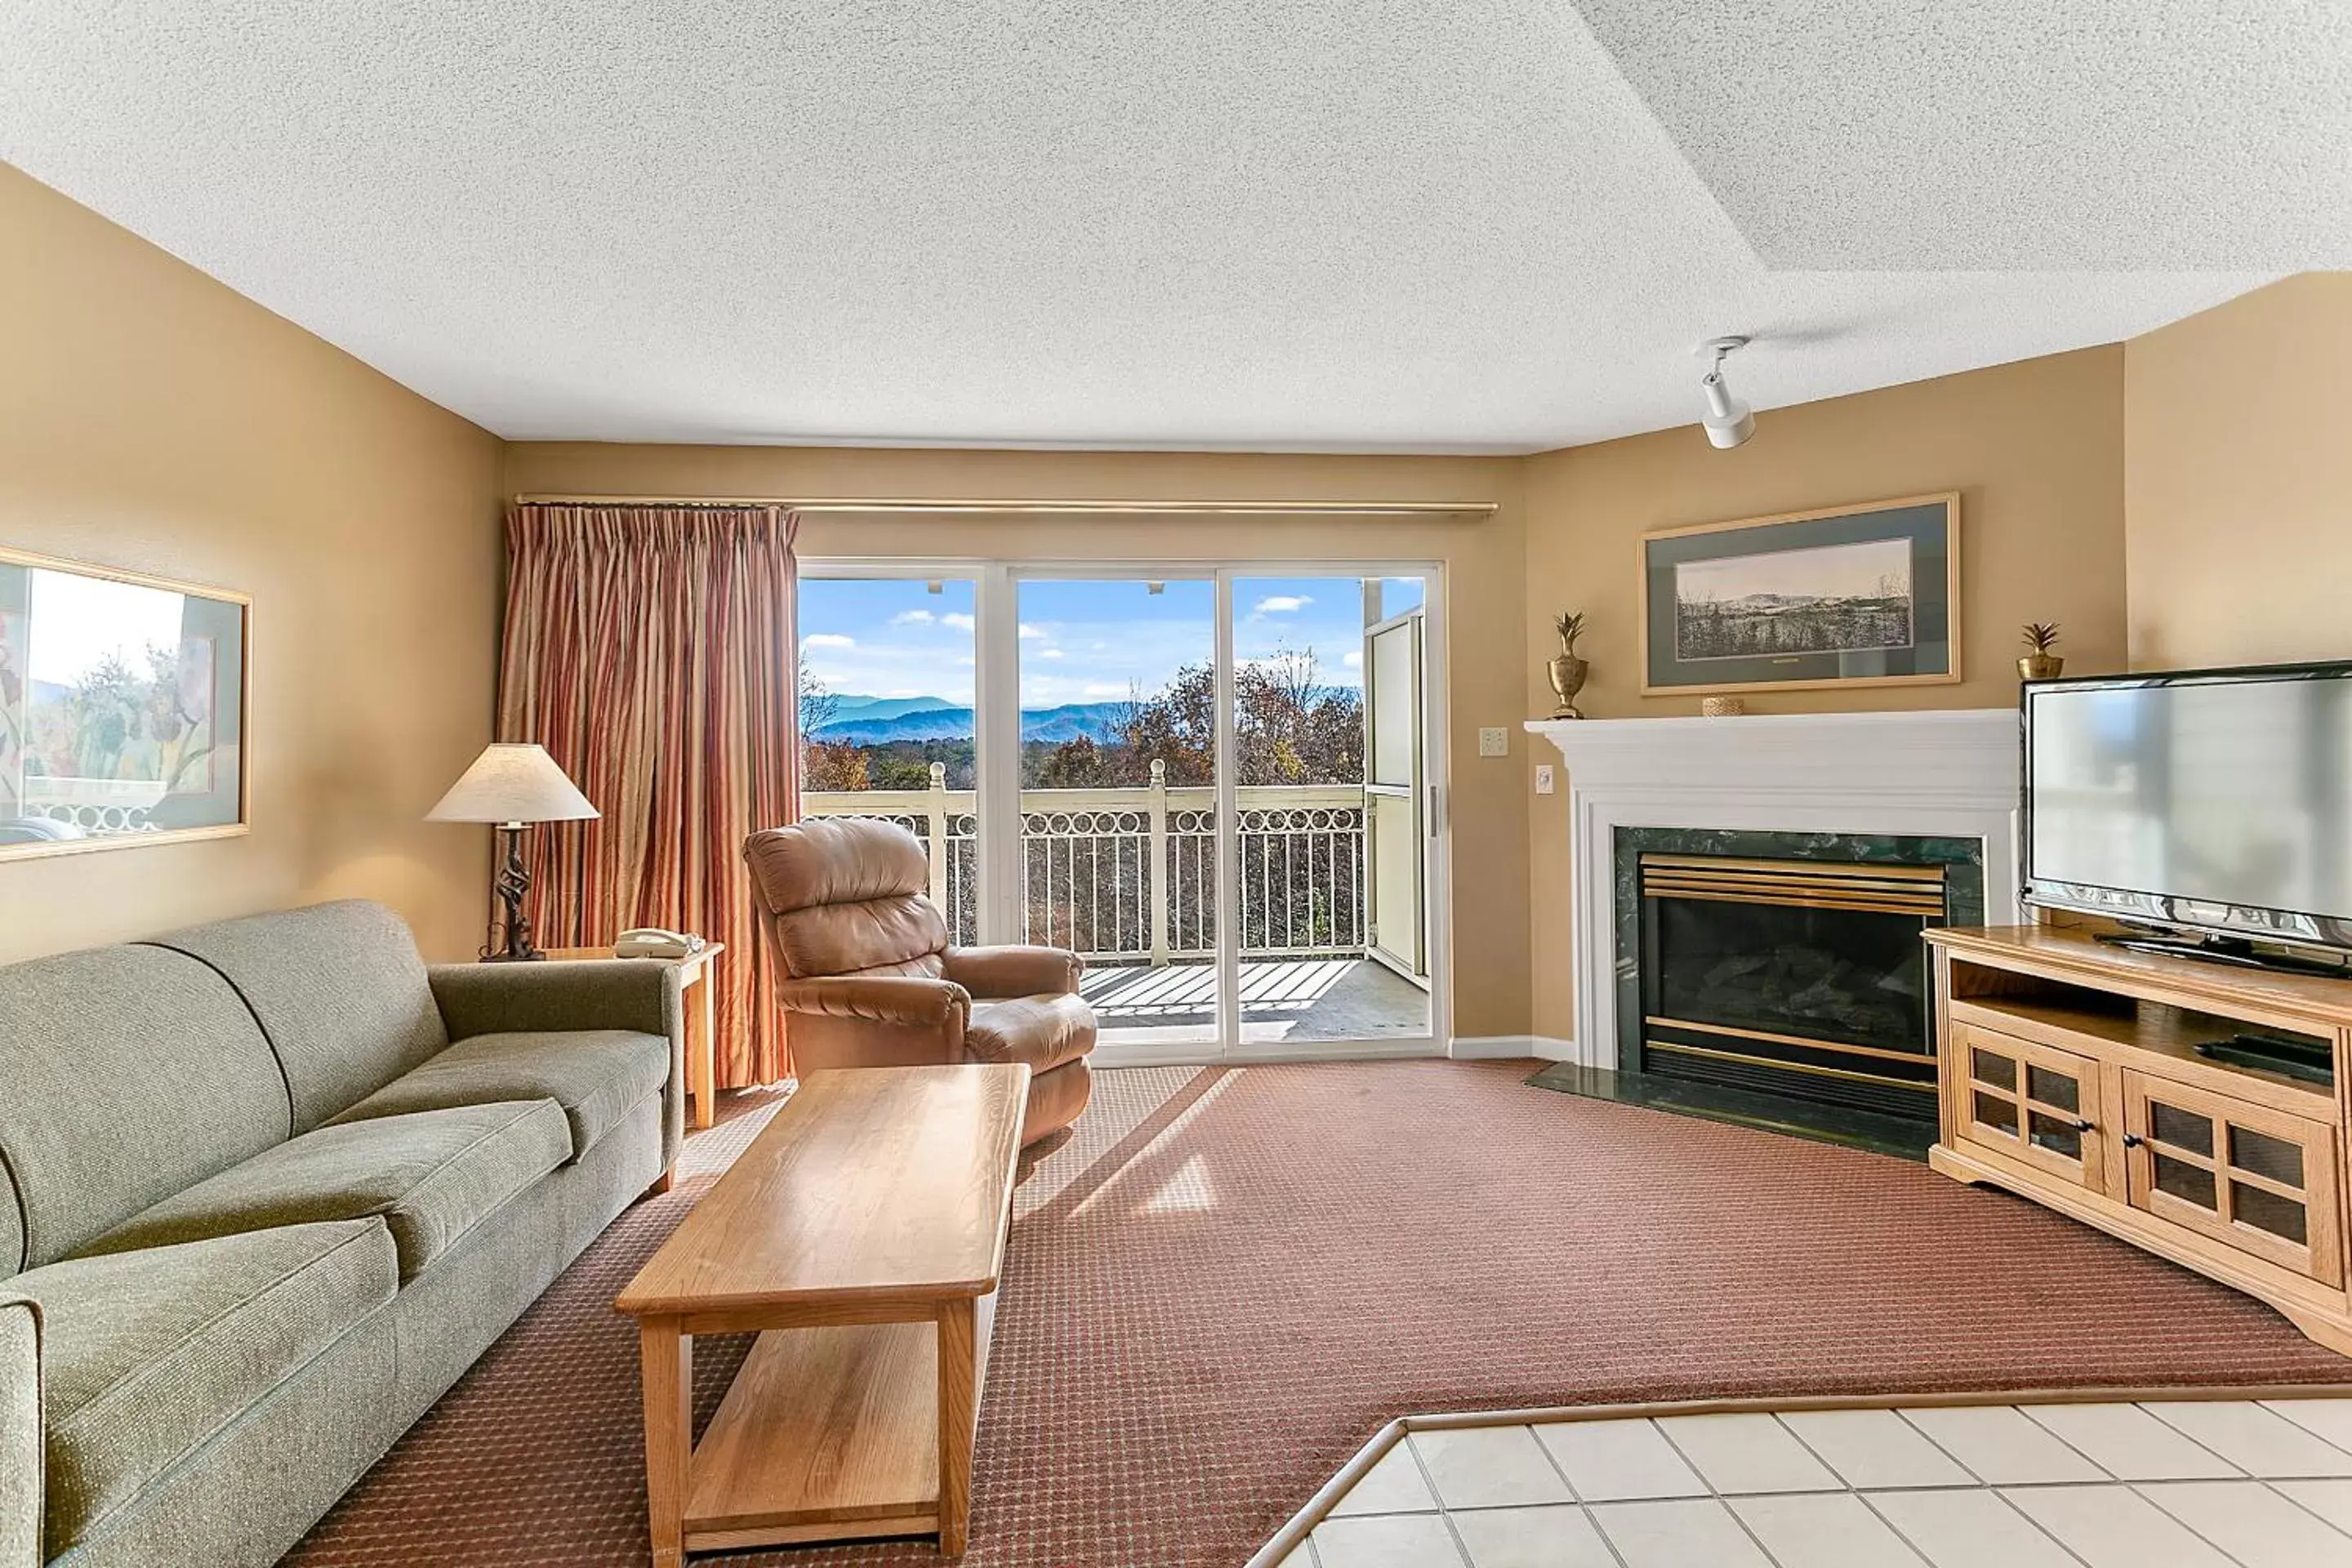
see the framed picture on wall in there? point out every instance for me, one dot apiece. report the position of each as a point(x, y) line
point(1851, 595)
point(122, 707)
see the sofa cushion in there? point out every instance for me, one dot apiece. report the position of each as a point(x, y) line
point(1043, 1031)
point(126, 1074)
point(433, 1175)
point(146, 1354)
point(339, 990)
point(597, 1076)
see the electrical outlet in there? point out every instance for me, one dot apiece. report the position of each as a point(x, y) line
point(1543, 778)
point(1495, 743)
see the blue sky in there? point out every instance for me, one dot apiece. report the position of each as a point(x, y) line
point(1080, 641)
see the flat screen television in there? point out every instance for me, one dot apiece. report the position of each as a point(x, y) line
point(2215, 802)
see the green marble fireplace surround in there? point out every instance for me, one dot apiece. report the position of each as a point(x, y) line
point(1962, 861)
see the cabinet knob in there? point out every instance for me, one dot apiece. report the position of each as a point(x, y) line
point(2133, 1139)
point(2083, 1126)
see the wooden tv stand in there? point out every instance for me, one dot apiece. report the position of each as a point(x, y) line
point(2069, 1075)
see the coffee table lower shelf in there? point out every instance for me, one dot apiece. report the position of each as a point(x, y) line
point(827, 1434)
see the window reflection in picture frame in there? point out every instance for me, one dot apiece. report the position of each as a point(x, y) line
point(122, 707)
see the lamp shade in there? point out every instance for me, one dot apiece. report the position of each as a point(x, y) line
point(512, 783)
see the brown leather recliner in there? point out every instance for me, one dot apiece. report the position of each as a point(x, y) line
point(870, 980)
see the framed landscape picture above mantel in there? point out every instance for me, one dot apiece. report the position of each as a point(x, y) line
point(122, 704)
point(1851, 595)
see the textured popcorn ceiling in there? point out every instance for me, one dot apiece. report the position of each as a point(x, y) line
point(1389, 224)
point(1997, 133)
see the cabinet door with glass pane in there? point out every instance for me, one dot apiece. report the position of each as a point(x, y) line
point(2261, 1180)
point(2031, 1102)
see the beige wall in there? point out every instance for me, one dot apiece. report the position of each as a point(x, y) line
point(2238, 480)
point(152, 419)
point(1483, 562)
point(2035, 449)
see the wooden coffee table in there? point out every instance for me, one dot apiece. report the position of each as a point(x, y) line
point(863, 1233)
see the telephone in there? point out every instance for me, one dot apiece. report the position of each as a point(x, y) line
point(652, 942)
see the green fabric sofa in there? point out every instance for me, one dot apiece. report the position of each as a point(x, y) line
point(267, 1187)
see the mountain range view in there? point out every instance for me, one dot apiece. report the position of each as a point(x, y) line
point(1761, 603)
point(860, 721)
point(879, 720)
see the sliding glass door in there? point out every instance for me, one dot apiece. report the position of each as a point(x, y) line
point(1118, 817)
point(1329, 845)
point(1215, 784)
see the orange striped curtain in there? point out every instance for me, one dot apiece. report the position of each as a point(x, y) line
point(650, 650)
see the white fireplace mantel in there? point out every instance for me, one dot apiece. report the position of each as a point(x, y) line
point(1949, 772)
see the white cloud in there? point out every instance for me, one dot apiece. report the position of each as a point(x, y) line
point(1282, 605)
point(958, 620)
point(913, 618)
point(1049, 653)
point(1034, 633)
point(828, 640)
point(1353, 658)
point(1100, 689)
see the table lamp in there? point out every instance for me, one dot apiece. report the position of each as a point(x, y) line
point(511, 787)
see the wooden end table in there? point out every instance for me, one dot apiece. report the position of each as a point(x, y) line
point(694, 998)
point(862, 1235)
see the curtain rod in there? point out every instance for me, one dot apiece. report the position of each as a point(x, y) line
point(1195, 508)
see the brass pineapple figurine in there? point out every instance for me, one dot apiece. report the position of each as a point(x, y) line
point(1566, 671)
point(2040, 664)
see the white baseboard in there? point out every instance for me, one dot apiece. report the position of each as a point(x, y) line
point(1512, 1047)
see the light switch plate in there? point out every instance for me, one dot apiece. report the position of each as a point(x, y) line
point(1543, 778)
point(1495, 743)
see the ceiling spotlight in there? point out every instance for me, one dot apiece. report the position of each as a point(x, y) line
point(1729, 421)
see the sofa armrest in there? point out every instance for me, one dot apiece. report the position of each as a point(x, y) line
point(908, 1000)
point(560, 996)
point(22, 1440)
point(1015, 971)
point(557, 996)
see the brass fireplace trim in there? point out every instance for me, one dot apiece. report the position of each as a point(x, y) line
point(1865, 887)
point(1661, 1020)
point(1926, 1087)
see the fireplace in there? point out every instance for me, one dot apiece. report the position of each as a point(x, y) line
point(1778, 978)
point(1803, 978)
point(1935, 788)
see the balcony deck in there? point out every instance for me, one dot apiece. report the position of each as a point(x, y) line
point(1296, 999)
point(1128, 879)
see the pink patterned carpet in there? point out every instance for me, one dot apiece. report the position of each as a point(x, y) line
point(1231, 1278)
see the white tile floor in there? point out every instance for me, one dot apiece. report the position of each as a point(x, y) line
point(2168, 1484)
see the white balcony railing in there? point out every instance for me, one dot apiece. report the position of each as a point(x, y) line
point(1129, 876)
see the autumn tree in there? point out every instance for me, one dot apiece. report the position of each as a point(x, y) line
point(1288, 728)
point(826, 765)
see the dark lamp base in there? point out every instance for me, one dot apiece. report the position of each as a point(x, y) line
point(510, 884)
